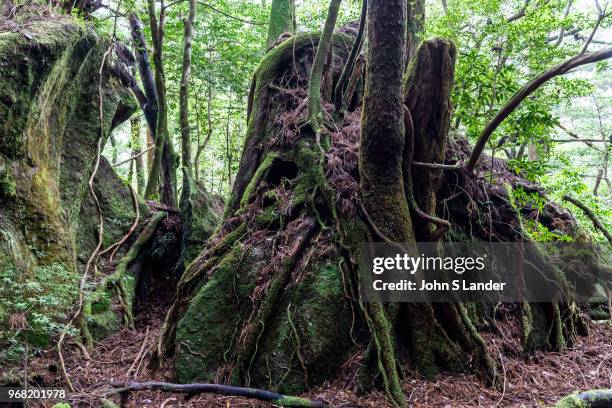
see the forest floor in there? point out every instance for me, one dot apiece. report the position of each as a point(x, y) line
point(535, 381)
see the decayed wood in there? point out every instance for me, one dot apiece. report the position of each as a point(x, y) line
point(427, 90)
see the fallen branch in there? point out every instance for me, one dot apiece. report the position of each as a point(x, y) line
point(200, 388)
point(455, 166)
point(587, 399)
point(589, 213)
point(528, 89)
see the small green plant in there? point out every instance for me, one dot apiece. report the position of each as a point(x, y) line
point(540, 233)
point(33, 308)
point(536, 230)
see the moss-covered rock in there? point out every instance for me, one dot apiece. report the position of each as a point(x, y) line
point(103, 324)
point(50, 127)
point(306, 340)
point(49, 131)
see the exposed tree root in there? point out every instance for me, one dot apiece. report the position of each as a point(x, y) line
point(94, 254)
point(118, 279)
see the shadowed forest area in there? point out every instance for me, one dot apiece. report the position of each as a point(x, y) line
point(193, 194)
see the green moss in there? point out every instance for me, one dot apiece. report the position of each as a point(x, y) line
point(8, 186)
point(301, 330)
point(102, 304)
point(207, 210)
point(259, 173)
point(102, 325)
point(571, 401)
point(598, 313)
point(287, 401)
point(208, 329)
point(586, 399)
point(282, 20)
point(329, 282)
point(273, 63)
point(268, 217)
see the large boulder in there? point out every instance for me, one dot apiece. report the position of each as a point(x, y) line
point(50, 132)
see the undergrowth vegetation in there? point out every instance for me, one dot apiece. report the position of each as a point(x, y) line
point(33, 307)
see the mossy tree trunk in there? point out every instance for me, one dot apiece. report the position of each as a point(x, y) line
point(138, 166)
point(162, 173)
point(416, 26)
point(380, 163)
point(282, 20)
point(254, 308)
point(185, 200)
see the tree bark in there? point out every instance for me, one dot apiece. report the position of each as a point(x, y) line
point(380, 160)
point(149, 103)
point(163, 168)
point(416, 26)
point(136, 152)
point(282, 20)
point(589, 213)
point(185, 200)
point(315, 114)
point(339, 102)
point(209, 131)
point(427, 90)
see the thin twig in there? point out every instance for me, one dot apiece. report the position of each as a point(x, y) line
point(139, 355)
point(455, 166)
point(600, 17)
point(243, 20)
point(133, 157)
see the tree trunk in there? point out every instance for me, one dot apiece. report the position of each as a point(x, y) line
point(380, 162)
point(282, 20)
point(416, 26)
point(185, 200)
point(149, 103)
point(136, 150)
point(427, 90)
point(163, 168)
